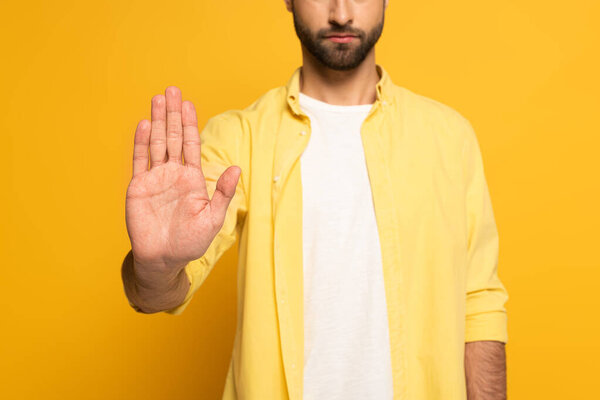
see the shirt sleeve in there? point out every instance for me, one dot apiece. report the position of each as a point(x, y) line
point(221, 143)
point(486, 317)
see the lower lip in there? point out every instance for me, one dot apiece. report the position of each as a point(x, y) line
point(341, 39)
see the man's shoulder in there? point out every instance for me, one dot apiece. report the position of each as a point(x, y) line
point(421, 111)
point(425, 106)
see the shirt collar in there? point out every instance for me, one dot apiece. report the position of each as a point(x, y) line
point(383, 88)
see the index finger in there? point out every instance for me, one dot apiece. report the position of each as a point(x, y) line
point(191, 138)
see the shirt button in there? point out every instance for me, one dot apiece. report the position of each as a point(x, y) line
point(276, 178)
point(384, 103)
point(303, 133)
point(293, 365)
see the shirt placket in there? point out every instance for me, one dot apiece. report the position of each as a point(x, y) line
point(287, 249)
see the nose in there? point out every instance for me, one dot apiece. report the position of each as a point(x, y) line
point(340, 12)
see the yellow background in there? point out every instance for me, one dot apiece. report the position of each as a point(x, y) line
point(77, 76)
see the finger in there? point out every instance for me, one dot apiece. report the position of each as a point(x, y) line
point(158, 135)
point(191, 138)
point(224, 191)
point(174, 126)
point(140, 147)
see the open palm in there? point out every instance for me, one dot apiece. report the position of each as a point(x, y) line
point(170, 218)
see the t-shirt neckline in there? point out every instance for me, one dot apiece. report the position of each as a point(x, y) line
point(321, 105)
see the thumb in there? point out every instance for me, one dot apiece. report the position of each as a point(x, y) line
point(224, 191)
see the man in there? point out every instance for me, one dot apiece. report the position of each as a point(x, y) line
point(368, 246)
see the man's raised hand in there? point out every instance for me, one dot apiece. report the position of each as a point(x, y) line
point(170, 218)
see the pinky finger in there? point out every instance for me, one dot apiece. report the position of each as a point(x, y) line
point(140, 147)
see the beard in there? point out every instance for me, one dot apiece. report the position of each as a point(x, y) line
point(338, 56)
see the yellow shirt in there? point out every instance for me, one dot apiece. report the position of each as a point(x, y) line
point(438, 236)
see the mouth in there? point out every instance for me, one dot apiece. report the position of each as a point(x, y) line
point(341, 38)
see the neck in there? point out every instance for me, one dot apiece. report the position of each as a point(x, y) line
point(352, 87)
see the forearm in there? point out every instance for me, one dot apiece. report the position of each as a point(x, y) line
point(485, 370)
point(152, 290)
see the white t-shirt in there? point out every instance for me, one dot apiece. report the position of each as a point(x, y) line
point(346, 336)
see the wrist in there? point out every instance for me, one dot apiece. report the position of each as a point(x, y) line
point(157, 276)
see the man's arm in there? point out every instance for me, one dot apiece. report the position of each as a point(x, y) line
point(170, 290)
point(485, 370)
point(486, 317)
point(174, 212)
point(486, 320)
